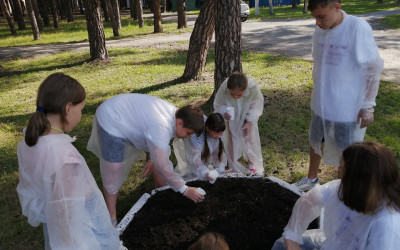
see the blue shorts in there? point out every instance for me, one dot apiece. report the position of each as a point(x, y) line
point(342, 131)
point(112, 147)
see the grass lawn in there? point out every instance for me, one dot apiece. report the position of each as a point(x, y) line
point(286, 84)
point(392, 21)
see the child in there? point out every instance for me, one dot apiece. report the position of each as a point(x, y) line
point(210, 241)
point(194, 154)
point(362, 210)
point(241, 136)
point(129, 124)
point(56, 187)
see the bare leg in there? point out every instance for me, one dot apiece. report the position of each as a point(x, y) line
point(111, 202)
point(157, 178)
point(313, 168)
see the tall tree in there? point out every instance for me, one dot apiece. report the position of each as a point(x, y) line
point(68, 9)
point(182, 21)
point(115, 7)
point(18, 14)
point(32, 19)
point(228, 44)
point(105, 10)
point(305, 6)
point(139, 12)
point(54, 12)
point(97, 41)
point(114, 22)
point(44, 11)
point(37, 15)
point(132, 9)
point(200, 41)
point(157, 17)
point(10, 22)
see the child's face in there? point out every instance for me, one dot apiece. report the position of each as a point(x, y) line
point(213, 134)
point(74, 115)
point(236, 93)
point(327, 17)
point(182, 132)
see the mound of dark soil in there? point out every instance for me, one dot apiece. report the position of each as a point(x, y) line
point(250, 213)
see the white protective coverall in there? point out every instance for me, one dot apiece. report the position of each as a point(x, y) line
point(148, 124)
point(346, 76)
point(188, 154)
point(56, 187)
point(247, 108)
point(343, 228)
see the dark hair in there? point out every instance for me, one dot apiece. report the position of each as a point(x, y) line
point(313, 4)
point(192, 118)
point(238, 81)
point(214, 122)
point(370, 178)
point(56, 91)
point(210, 241)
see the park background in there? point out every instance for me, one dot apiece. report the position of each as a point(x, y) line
point(285, 83)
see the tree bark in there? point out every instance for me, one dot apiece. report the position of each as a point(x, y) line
point(182, 21)
point(200, 41)
point(54, 12)
point(115, 7)
point(8, 17)
point(114, 22)
point(305, 6)
point(18, 15)
point(43, 10)
point(69, 12)
point(104, 5)
point(132, 9)
point(157, 17)
point(164, 6)
point(228, 44)
point(97, 41)
point(81, 7)
point(139, 12)
point(39, 20)
point(32, 19)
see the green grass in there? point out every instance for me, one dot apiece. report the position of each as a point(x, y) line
point(77, 32)
point(286, 84)
point(353, 7)
point(392, 21)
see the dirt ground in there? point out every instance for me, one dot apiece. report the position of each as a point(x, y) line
point(250, 213)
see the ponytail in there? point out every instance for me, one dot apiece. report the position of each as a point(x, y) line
point(205, 155)
point(38, 124)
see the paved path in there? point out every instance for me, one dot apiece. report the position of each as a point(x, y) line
point(280, 37)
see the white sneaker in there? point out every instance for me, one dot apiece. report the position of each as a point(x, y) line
point(305, 184)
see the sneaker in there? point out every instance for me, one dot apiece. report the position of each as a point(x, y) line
point(305, 184)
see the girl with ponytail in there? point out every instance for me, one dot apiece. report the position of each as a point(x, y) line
point(56, 187)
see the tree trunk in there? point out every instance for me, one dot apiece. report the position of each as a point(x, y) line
point(8, 16)
point(294, 4)
point(97, 41)
point(115, 11)
point(157, 17)
point(114, 22)
point(164, 6)
point(228, 44)
point(182, 22)
point(54, 12)
point(305, 6)
point(105, 10)
point(139, 11)
point(271, 7)
point(32, 19)
point(39, 20)
point(61, 9)
point(81, 7)
point(132, 9)
point(69, 12)
point(17, 12)
point(200, 41)
point(44, 12)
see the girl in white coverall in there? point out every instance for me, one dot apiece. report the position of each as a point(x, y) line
point(197, 153)
point(362, 210)
point(56, 187)
point(241, 136)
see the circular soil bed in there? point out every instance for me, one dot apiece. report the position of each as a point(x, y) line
point(250, 212)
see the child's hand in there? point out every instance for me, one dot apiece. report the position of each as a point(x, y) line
point(227, 116)
point(148, 169)
point(193, 194)
point(246, 128)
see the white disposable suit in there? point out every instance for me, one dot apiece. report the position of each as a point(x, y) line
point(346, 76)
point(57, 188)
point(188, 154)
point(147, 123)
point(249, 107)
point(343, 228)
